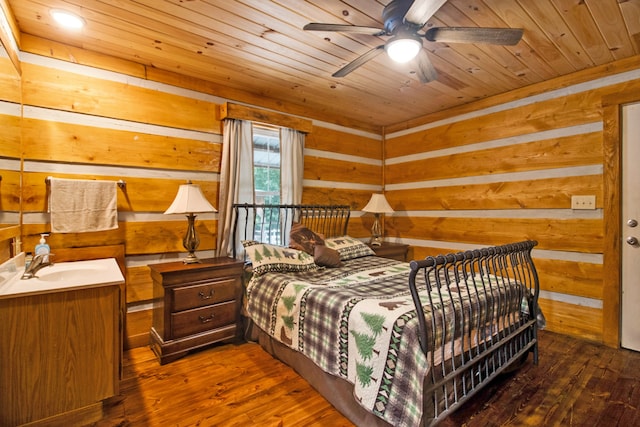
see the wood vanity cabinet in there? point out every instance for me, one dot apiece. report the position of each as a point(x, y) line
point(195, 305)
point(60, 354)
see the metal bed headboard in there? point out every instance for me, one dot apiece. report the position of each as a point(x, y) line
point(269, 223)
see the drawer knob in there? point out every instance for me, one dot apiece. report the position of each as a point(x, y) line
point(206, 319)
point(203, 296)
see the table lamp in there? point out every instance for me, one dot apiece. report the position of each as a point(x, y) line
point(377, 205)
point(190, 201)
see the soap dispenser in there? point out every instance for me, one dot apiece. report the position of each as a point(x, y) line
point(43, 248)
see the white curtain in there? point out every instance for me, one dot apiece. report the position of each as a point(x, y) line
point(236, 175)
point(236, 178)
point(291, 166)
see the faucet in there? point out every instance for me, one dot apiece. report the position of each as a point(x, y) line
point(38, 262)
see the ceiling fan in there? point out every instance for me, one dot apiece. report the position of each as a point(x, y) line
point(403, 20)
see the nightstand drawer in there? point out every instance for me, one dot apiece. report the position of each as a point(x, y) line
point(202, 319)
point(207, 293)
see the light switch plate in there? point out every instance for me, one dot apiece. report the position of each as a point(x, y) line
point(583, 202)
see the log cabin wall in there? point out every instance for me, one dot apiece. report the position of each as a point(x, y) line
point(505, 169)
point(10, 149)
point(88, 116)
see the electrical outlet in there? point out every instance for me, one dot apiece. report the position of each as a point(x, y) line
point(583, 202)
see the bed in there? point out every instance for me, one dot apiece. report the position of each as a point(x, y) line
point(388, 343)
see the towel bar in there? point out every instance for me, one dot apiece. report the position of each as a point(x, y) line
point(121, 183)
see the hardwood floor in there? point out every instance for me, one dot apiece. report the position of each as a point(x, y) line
point(576, 383)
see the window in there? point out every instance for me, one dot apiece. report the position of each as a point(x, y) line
point(266, 164)
point(266, 181)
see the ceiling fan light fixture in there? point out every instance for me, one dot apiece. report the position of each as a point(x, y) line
point(67, 19)
point(403, 49)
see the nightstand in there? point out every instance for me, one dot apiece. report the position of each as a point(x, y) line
point(391, 250)
point(195, 305)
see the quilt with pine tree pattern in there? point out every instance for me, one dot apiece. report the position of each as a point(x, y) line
point(356, 322)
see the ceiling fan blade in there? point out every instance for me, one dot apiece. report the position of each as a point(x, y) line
point(426, 71)
point(359, 61)
point(314, 26)
point(421, 10)
point(500, 36)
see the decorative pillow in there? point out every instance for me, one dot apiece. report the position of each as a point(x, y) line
point(326, 257)
point(303, 239)
point(348, 247)
point(265, 258)
point(247, 243)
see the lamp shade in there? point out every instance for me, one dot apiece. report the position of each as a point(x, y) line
point(190, 200)
point(378, 204)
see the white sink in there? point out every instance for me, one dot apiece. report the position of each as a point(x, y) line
point(68, 274)
point(76, 274)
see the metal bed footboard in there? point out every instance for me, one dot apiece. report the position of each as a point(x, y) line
point(494, 331)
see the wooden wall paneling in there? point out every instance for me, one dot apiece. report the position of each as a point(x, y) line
point(31, 236)
point(357, 199)
point(547, 154)
point(571, 278)
point(336, 141)
point(571, 319)
point(138, 318)
point(5, 244)
point(550, 193)
point(90, 253)
point(137, 327)
point(421, 252)
point(6, 234)
point(157, 237)
point(71, 143)
point(10, 138)
point(9, 81)
point(360, 226)
point(67, 91)
point(555, 113)
point(324, 169)
point(580, 235)
point(139, 284)
point(10, 190)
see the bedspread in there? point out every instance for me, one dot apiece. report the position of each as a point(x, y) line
point(358, 322)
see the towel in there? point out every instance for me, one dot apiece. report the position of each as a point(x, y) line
point(80, 205)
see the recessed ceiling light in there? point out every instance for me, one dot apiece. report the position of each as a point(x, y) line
point(67, 19)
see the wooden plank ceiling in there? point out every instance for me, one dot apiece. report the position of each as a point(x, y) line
point(257, 50)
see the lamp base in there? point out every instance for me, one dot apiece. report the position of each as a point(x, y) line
point(376, 234)
point(191, 259)
point(191, 241)
point(375, 241)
